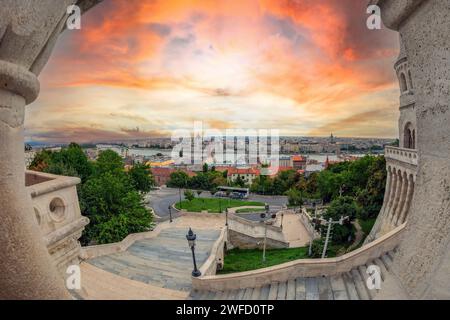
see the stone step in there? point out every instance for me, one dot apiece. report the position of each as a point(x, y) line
point(350, 287)
point(359, 285)
point(273, 291)
point(364, 275)
point(338, 288)
point(282, 290)
point(248, 294)
point(300, 289)
point(312, 288)
point(387, 261)
point(325, 290)
point(264, 294)
point(383, 270)
point(290, 292)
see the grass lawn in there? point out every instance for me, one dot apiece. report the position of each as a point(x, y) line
point(214, 204)
point(237, 260)
point(247, 210)
point(366, 225)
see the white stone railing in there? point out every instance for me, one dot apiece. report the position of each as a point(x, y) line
point(215, 259)
point(57, 213)
point(401, 154)
point(302, 267)
point(306, 219)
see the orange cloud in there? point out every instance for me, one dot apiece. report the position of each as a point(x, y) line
point(311, 56)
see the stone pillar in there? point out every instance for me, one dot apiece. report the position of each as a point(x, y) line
point(26, 270)
point(407, 201)
point(381, 216)
point(390, 205)
point(423, 259)
point(28, 32)
point(397, 200)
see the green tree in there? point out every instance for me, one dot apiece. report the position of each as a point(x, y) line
point(342, 207)
point(114, 209)
point(108, 161)
point(178, 179)
point(295, 197)
point(189, 195)
point(141, 177)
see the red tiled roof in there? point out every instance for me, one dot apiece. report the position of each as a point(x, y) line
point(298, 158)
point(232, 171)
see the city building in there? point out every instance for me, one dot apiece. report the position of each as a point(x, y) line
point(246, 174)
point(299, 162)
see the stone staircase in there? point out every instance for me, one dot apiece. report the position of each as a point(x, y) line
point(164, 261)
point(347, 286)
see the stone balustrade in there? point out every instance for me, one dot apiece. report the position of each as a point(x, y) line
point(301, 268)
point(401, 166)
point(57, 213)
point(407, 156)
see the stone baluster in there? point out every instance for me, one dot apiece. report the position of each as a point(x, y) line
point(400, 199)
point(408, 198)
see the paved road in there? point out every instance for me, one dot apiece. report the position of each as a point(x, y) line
point(160, 200)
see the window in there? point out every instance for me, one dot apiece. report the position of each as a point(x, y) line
point(403, 84)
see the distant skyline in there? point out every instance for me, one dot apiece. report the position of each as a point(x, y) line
point(141, 69)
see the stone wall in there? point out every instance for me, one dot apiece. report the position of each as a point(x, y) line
point(301, 268)
point(422, 262)
point(246, 234)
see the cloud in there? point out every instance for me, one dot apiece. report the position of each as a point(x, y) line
point(172, 60)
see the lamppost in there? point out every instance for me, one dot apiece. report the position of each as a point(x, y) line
point(263, 220)
point(266, 223)
point(281, 225)
point(191, 236)
point(226, 217)
point(314, 229)
point(170, 213)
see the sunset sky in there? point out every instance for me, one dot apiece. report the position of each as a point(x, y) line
point(140, 68)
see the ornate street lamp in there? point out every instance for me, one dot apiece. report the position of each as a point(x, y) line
point(191, 236)
point(170, 213)
point(314, 229)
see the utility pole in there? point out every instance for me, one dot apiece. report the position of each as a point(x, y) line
point(314, 229)
point(329, 223)
point(327, 238)
point(265, 241)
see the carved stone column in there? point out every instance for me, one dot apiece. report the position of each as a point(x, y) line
point(423, 259)
point(28, 32)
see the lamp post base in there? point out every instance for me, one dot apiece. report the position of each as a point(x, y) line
point(196, 273)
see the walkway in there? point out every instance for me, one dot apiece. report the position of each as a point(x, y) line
point(294, 231)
